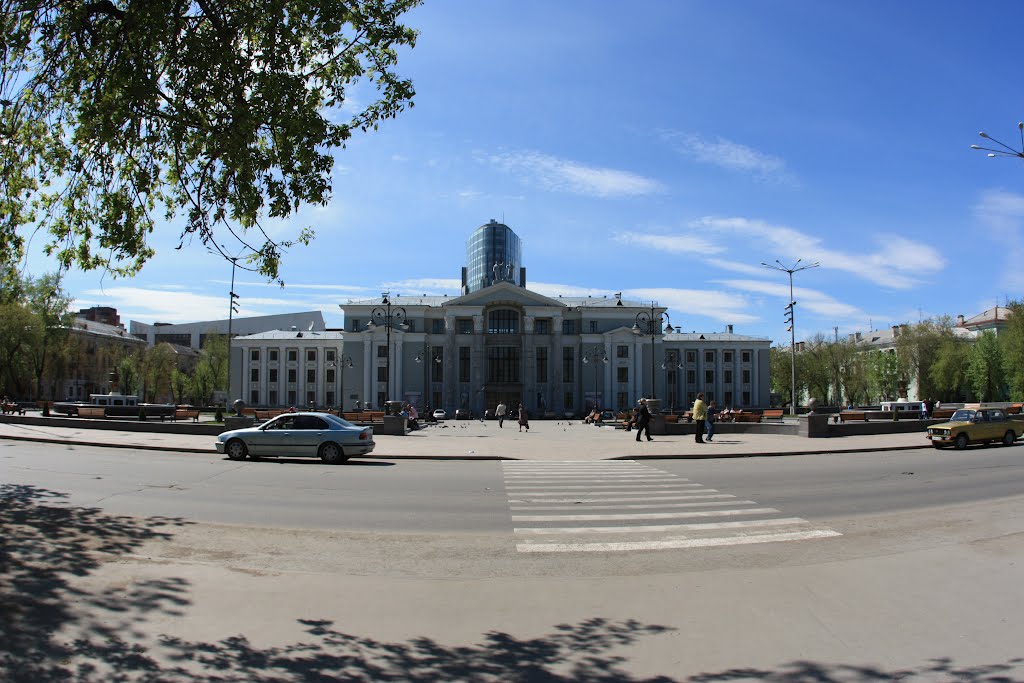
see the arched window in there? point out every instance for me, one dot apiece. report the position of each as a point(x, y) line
point(503, 321)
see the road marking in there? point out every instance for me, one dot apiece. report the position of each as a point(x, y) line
point(606, 500)
point(672, 544)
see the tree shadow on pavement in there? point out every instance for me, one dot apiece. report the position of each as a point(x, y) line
point(46, 547)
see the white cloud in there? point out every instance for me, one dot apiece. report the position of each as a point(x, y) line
point(563, 175)
point(675, 244)
point(732, 156)
point(726, 307)
point(898, 263)
point(807, 299)
point(1004, 213)
point(431, 286)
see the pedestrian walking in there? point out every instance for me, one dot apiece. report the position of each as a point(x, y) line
point(500, 412)
point(643, 420)
point(524, 418)
point(710, 421)
point(700, 416)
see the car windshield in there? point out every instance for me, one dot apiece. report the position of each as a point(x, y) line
point(962, 416)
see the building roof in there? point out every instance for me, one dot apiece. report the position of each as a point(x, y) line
point(608, 301)
point(713, 336)
point(993, 317)
point(277, 335)
point(102, 329)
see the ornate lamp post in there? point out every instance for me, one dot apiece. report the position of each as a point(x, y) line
point(595, 355)
point(671, 365)
point(421, 356)
point(791, 313)
point(343, 363)
point(390, 317)
point(650, 324)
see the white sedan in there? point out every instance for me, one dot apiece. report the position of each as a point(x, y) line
point(321, 435)
point(439, 414)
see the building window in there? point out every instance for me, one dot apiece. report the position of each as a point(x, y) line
point(329, 397)
point(272, 376)
point(382, 373)
point(331, 355)
point(568, 327)
point(273, 355)
point(311, 398)
point(382, 351)
point(254, 374)
point(382, 397)
point(690, 397)
point(568, 364)
point(728, 399)
point(622, 400)
point(622, 351)
point(437, 326)
point(356, 325)
point(543, 326)
point(330, 378)
point(293, 355)
point(310, 375)
point(746, 398)
point(691, 377)
point(622, 375)
point(254, 355)
point(254, 397)
point(463, 326)
point(292, 375)
point(746, 356)
point(273, 397)
point(291, 397)
point(728, 376)
point(503, 364)
point(464, 363)
point(727, 356)
point(311, 355)
point(593, 326)
point(709, 356)
point(709, 377)
point(709, 397)
point(691, 356)
point(542, 364)
point(746, 376)
point(503, 321)
point(568, 400)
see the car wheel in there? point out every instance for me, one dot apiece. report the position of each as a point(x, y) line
point(961, 442)
point(236, 449)
point(1009, 437)
point(332, 454)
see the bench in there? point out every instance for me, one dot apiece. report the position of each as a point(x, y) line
point(12, 408)
point(1015, 409)
point(185, 414)
point(365, 416)
point(743, 416)
point(671, 418)
point(772, 414)
point(943, 413)
point(264, 415)
point(853, 416)
point(92, 411)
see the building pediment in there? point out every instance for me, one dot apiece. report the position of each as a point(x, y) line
point(504, 292)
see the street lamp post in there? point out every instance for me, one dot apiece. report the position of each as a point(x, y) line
point(595, 355)
point(671, 365)
point(343, 363)
point(420, 357)
point(649, 324)
point(791, 319)
point(232, 309)
point(389, 316)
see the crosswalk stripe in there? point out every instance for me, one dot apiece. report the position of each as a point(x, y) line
point(637, 485)
point(644, 515)
point(660, 506)
point(660, 528)
point(584, 499)
point(673, 543)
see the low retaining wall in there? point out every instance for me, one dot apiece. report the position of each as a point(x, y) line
point(153, 426)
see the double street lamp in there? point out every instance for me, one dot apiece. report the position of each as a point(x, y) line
point(421, 356)
point(791, 319)
point(389, 317)
point(343, 363)
point(650, 324)
point(670, 365)
point(595, 355)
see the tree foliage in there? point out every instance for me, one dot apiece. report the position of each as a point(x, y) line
point(985, 369)
point(221, 111)
point(1012, 339)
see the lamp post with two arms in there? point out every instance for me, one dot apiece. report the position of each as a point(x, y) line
point(670, 365)
point(595, 355)
point(389, 317)
point(791, 319)
point(650, 324)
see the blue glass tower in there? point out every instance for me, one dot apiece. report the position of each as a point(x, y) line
point(493, 254)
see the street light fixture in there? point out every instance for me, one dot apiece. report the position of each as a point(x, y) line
point(389, 317)
point(1003, 152)
point(343, 362)
point(649, 323)
point(671, 365)
point(791, 319)
point(595, 355)
point(420, 357)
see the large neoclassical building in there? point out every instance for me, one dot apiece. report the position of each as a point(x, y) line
point(500, 342)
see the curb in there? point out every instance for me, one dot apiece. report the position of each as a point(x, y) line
point(375, 456)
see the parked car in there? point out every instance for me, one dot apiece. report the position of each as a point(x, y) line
point(329, 437)
point(463, 414)
point(975, 426)
point(439, 414)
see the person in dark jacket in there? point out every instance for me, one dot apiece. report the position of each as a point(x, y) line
point(524, 418)
point(643, 420)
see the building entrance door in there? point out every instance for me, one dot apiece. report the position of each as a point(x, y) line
point(511, 399)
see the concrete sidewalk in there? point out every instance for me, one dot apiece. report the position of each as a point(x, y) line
point(476, 440)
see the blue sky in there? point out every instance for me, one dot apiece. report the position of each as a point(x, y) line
point(664, 150)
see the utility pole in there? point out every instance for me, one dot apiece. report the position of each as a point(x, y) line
point(790, 318)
